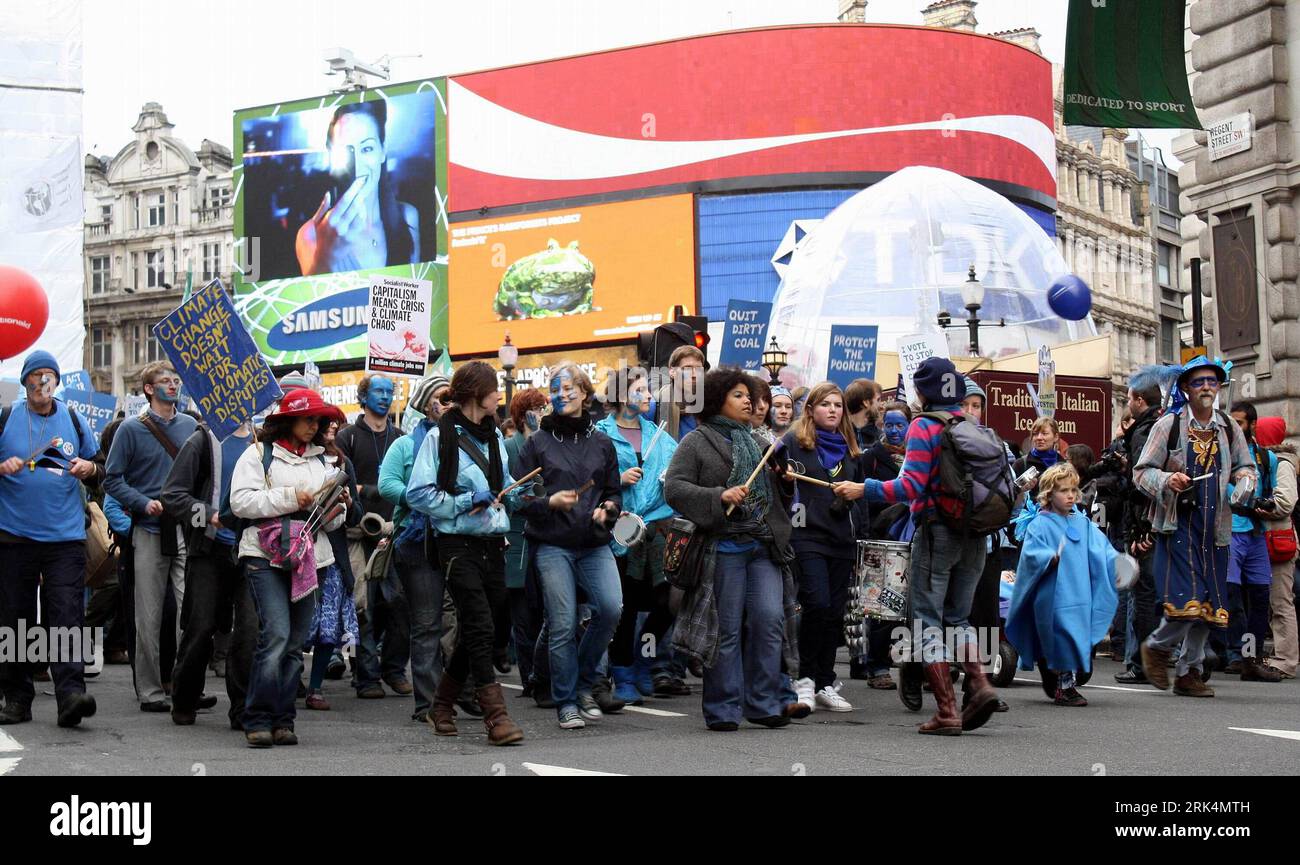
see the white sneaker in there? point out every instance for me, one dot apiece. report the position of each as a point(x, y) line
point(804, 690)
point(829, 698)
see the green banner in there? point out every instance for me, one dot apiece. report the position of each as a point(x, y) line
point(1125, 67)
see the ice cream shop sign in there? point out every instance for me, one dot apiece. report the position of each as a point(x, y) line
point(1083, 410)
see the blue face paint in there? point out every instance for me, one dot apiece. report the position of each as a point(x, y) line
point(895, 427)
point(651, 408)
point(532, 421)
point(558, 402)
point(379, 397)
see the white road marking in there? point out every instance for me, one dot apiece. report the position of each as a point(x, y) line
point(661, 713)
point(542, 769)
point(1103, 687)
point(8, 764)
point(1280, 734)
point(9, 743)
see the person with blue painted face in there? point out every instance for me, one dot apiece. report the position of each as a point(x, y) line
point(387, 619)
point(571, 528)
point(643, 457)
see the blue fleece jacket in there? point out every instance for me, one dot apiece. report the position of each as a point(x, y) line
point(44, 505)
point(138, 465)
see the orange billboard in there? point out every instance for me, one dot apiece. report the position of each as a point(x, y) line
point(578, 276)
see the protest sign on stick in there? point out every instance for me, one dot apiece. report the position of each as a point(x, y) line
point(399, 314)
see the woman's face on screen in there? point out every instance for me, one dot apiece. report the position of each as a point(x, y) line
point(361, 132)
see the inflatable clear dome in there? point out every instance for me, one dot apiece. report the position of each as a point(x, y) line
point(897, 253)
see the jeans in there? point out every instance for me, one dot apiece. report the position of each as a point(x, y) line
point(423, 586)
point(476, 578)
point(283, 628)
point(823, 592)
point(880, 643)
point(524, 622)
point(1188, 634)
point(639, 596)
point(153, 571)
point(946, 570)
point(57, 571)
point(216, 601)
point(746, 678)
point(1119, 624)
point(1143, 611)
point(561, 571)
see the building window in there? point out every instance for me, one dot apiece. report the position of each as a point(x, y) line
point(155, 263)
point(101, 348)
point(1168, 343)
point(1081, 185)
point(1164, 254)
point(153, 348)
point(157, 209)
point(1101, 193)
point(218, 197)
point(99, 272)
point(211, 261)
point(106, 213)
point(176, 206)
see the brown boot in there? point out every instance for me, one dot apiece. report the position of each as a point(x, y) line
point(1254, 671)
point(1191, 685)
point(501, 730)
point(1155, 663)
point(442, 715)
point(946, 721)
point(982, 700)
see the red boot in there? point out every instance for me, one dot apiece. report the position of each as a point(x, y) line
point(946, 721)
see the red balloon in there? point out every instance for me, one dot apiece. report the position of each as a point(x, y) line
point(24, 311)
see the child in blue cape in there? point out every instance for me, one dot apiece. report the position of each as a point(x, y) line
point(1064, 596)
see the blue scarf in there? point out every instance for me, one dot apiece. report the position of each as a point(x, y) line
point(1047, 458)
point(831, 448)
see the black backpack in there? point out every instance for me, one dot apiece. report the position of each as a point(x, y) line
point(976, 490)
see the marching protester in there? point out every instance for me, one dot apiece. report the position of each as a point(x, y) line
point(47, 452)
point(1064, 595)
point(1189, 460)
point(678, 401)
point(781, 415)
point(739, 614)
point(1250, 573)
point(862, 404)
point(570, 529)
point(216, 593)
point(384, 648)
point(334, 624)
point(285, 551)
point(1145, 402)
point(527, 409)
point(412, 537)
point(1280, 535)
point(823, 441)
point(142, 455)
point(1045, 436)
point(643, 457)
point(762, 392)
point(460, 480)
point(945, 565)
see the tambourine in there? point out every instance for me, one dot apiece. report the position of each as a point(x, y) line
point(629, 530)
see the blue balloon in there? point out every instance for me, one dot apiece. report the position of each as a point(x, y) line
point(1069, 297)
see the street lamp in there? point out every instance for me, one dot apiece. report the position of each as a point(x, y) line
point(972, 294)
point(774, 359)
point(508, 356)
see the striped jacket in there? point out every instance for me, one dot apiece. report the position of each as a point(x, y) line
point(920, 472)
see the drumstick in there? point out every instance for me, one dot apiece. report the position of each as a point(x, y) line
point(819, 483)
point(1203, 477)
point(758, 468)
point(663, 425)
point(525, 479)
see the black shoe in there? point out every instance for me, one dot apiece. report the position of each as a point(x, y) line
point(1132, 677)
point(696, 668)
point(1049, 680)
point(183, 719)
point(603, 694)
point(206, 701)
point(336, 669)
point(910, 677)
point(671, 686)
point(237, 724)
point(858, 671)
point(420, 717)
point(74, 707)
point(724, 726)
point(543, 698)
point(501, 661)
point(1001, 706)
point(1069, 697)
point(156, 706)
point(15, 713)
point(527, 691)
point(302, 690)
point(772, 721)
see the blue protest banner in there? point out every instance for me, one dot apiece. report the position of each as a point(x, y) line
point(743, 334)
point(78, 379)
point(852, 353)
point(98, 409)
point(219, 364)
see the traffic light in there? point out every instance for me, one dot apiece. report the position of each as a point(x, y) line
point(656, 347)
point(699, 325)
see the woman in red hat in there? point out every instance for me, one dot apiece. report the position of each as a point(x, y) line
point(285, 548)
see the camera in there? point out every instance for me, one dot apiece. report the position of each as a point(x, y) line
point(1254, 503)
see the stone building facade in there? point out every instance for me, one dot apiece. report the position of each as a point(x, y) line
point(152, 211)
point(1242, 208)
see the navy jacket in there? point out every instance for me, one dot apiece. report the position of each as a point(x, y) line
point(567, 464)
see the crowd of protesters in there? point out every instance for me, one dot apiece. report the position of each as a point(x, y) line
point(613, 543)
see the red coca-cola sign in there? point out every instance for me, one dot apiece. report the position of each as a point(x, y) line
point(1083, 407)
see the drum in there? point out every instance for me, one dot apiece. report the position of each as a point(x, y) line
point(629, 530)
point(1126, 572)
point(881, 574)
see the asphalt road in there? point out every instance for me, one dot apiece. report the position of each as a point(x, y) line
point(1124, 731)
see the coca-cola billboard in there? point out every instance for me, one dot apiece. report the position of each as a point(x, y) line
point(1083, 407)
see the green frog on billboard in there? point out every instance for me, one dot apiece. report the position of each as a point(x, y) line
point(556, 281)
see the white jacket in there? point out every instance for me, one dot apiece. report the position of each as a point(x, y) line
point(254, 496)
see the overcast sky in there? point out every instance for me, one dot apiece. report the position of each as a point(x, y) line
point(201, 60)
